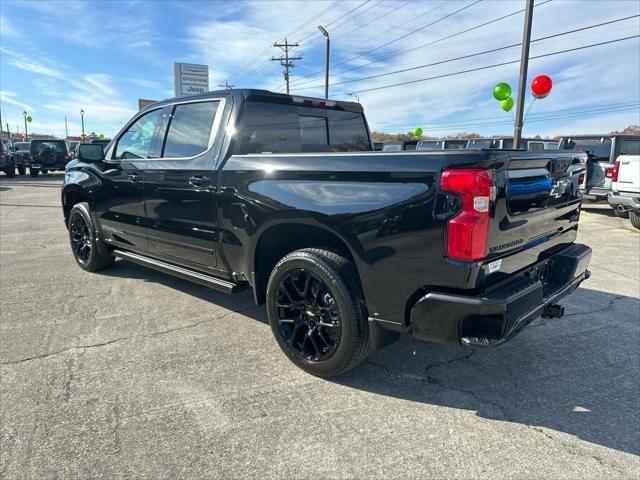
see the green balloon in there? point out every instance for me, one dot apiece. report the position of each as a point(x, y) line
point(29, 118)
point(507, 104)
point(101, 135)
point(282, 138)
point(502, 91)
point(417, 132)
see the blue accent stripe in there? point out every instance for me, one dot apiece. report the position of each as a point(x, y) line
point(535, 242)
point(520, 188)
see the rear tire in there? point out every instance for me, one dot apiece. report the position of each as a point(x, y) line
point(316, 312)
point(635, 219)
point(33, 172)
point(91, 253)
point(21, 170)
point(10, 171)
point(621, 213)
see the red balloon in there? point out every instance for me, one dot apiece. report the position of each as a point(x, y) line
point(541, 86)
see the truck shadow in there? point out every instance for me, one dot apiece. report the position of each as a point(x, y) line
point(578, 375)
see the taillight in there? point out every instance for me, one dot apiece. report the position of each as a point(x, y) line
point(608, 172)
point(2, 154)
point(616, 171)
point(467, 231)
point(581, 178)
point(66, 157)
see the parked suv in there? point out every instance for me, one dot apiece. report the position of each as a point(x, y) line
point(22, 155)
point(603, 150)
point(347, 247)
point(7, 161)
point(47, 156)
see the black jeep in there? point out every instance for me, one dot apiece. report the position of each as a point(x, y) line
point(47, 156)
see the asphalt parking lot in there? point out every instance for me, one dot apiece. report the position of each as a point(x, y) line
point(133, 374)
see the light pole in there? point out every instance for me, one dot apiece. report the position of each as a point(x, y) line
point(524, 65)
point(26, 132)
point(82, 120)
point(326, 71)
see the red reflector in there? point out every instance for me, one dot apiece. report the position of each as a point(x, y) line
point(467, 231)
point(616, 171)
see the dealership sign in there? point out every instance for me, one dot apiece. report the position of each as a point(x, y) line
point(190, 79)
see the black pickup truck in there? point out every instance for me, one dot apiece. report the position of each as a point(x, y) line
point(348, 248)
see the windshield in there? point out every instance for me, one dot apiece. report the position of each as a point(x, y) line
point(430, 145)
point(455, 144)
point(392, 147)
point(483, 143)
point(599, 147)
point(22, 145)
point(56, 145)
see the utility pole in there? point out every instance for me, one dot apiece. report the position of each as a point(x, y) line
point(26, 132)
point(226, 85)
point(524, 66)
point(326, 65)
point(66, 130)
point(82, 120)
point(286, 61)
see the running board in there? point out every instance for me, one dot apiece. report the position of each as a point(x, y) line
point(196, 277)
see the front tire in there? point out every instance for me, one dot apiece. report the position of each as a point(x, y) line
point(21, 170)
point(33, 172)
point(10, 170)
point(91, 253)
point(316, 312)
point(635, 219)
point(621, 213)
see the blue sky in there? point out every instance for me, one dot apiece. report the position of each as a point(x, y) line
point(59, 57)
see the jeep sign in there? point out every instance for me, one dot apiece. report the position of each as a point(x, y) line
point(190, 79)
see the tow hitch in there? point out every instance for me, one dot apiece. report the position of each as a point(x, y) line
point(553, 311)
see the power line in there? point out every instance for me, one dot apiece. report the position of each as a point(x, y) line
point(375, 20)
point(249, 67)
point(356, 16)
point(542, 116)
point(335, 20)
point(402, 52)
point(476, 54)
point(408, 82)
point(410, 33)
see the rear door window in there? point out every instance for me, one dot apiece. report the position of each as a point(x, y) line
point(189, 132)
point(39, 145)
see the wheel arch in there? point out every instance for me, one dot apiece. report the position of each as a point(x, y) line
point(287, 235)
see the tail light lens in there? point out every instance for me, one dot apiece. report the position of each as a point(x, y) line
point(608, 172)
point(66, 157)
point(2, 154)
point(581, 179)
point(467, 232)
point(616, 171)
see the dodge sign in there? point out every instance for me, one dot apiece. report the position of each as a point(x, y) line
point(190, 79)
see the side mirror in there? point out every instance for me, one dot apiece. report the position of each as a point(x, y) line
point(90, 152)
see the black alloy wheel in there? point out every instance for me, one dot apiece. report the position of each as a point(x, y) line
point(316, 311)
point(81, 241)
point(90, 252)
point(308, 316)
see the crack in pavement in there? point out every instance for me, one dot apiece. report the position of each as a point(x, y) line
point(572, 450)
point(434, 381)
point(122, 339)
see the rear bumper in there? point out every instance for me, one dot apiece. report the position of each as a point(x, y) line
point(491, 318)
point(596, 193)
point(626, 200)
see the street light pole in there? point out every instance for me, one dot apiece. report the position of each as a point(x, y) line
point(26, 132)
point(82, 120)
point(326, 68)
point(524, 66)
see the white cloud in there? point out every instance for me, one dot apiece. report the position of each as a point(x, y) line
point(9, 98)
point(7, 29)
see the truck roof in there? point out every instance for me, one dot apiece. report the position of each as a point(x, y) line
point(267, 96)
point(606, 135)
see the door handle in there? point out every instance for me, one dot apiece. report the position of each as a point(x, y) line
point(134, 177)
point(199, 181)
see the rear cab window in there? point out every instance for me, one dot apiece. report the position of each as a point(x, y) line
point(265, 127)
point(629, 146)
point(599, 147)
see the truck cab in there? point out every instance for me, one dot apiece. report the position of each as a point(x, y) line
point(602, 151)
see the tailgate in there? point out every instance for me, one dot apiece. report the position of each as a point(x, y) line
point(537, 199)
point(628, 174)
